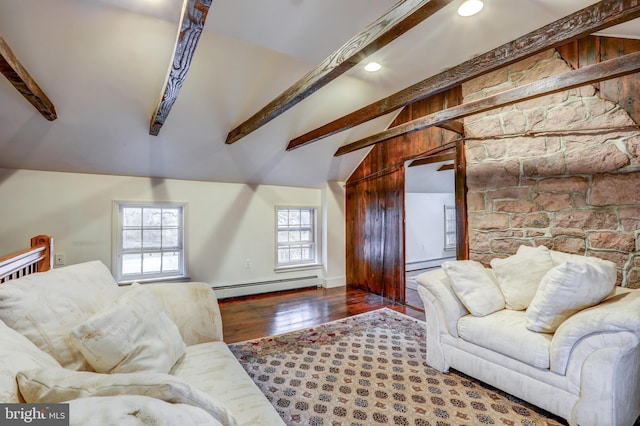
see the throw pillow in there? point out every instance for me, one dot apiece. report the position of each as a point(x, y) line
point(474, 286)
point(519, 275)
point(437, 282)
point(43, 307)
point(52, 385)
point(134, 410)
point(133, 334)
point(567, 289)
point(18, 353)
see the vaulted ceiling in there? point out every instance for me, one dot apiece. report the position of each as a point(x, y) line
point(103, 64)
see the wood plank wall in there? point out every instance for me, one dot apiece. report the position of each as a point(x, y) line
point(594, 49)
point(375, 202)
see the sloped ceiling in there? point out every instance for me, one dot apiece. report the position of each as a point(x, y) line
point(103, 65)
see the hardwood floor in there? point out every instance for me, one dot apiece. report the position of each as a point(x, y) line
point(250, 317)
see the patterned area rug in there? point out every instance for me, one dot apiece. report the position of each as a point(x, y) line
point(370, 369)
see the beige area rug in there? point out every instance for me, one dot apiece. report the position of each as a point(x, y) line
point(370, 369)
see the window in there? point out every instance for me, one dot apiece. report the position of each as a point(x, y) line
point(449, 228)
point(296, 236)
point(149, 242)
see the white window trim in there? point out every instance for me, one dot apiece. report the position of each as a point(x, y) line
point(447, 231)
point(317, 233)
point(116, 242)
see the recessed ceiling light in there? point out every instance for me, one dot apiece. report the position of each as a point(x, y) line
point(470, 7)
point(372, 67)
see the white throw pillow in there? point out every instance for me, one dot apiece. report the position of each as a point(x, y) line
point(567, 289)
point(18, 353)
point(44, 306)
point(437, 282)
point(53, 385)
point(518, 276)
point(135, 410)
point(133, 334)
point(474, 286)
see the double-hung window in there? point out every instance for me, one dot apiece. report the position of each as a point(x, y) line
point(149, 242)
point(449, 228)
point(297, 233)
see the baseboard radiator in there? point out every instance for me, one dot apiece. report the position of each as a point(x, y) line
point(246, 289)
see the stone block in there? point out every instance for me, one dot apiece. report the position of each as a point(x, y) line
point(612, 240)
point(495, 149)
point(633, 145)
point(475, 201)
point(488, 126)
point(567, 116)
point(546, 68)
point(615, 189)
point(515, 206)
point(547, 242)
point(554, 144)
point(526, 147)
point(629, 218)
point(549, 165)
point(596, 159)
point(586, 219)
point(569, 184)
point(534, 220)
point(486, 175)
point(569, 245)
point(553, 202)
point(514, 121)
point(486, 221)
point(478, 241)
point(618, 258)
point(597, 106)
point(560, 232)
point(633, 278)
point(579, 200)
point(616, 118)
point(531, 234)
point(515, 193)
point(491, 79)
point(484, 258)
point(509, 245)
point(531, 61)
point(535, 117)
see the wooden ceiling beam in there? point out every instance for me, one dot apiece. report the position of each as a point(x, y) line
point(449, 166)
point(401, 18)
point(455, 126)
point(438, 158)
point(596, 17)
point(18, 76)
point(590, 74)
point(194, 14)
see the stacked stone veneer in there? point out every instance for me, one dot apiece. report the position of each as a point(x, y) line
point(578, 193)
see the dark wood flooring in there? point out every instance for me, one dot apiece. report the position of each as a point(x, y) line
point(250, 317)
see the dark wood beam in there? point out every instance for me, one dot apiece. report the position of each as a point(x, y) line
point(454, 126)
point(596, 17)
point(401, 18)
point(446, 167)
point(606, 70)
point(17, 75)
point(194, 13)
point(438, 158)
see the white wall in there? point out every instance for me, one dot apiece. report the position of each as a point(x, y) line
point(424, 229)
point(226, 223)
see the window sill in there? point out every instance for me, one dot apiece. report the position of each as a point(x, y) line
point(294, 268)
point(175, 279)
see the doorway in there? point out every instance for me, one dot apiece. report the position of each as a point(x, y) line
point(430, 218)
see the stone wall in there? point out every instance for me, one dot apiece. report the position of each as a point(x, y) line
point(568, 190)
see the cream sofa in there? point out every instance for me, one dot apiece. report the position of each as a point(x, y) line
point(581, 363)
point(152, 351)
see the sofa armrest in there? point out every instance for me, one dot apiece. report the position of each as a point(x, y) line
point(450, 308)
point(620, 312)
point(193, 307)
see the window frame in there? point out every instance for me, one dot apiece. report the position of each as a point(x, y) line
point(450, 228)
point(315, 233)
point(118, 250)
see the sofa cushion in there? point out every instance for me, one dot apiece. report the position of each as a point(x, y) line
point(505, 332)
point(212, 368)
point(18, 353)
point(518, 276)
point(45, 306)
point(135, 410)
point(53, 385)
point(131, 335)
point(475, 287)
point(567, 289)
point(439, 285)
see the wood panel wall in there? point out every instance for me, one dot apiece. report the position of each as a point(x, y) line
point(594, 49)
point(375, 202)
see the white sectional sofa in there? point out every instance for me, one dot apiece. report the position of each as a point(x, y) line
point(545, 326)
point(151, 351)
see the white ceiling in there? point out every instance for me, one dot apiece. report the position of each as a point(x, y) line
point(103, 64)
